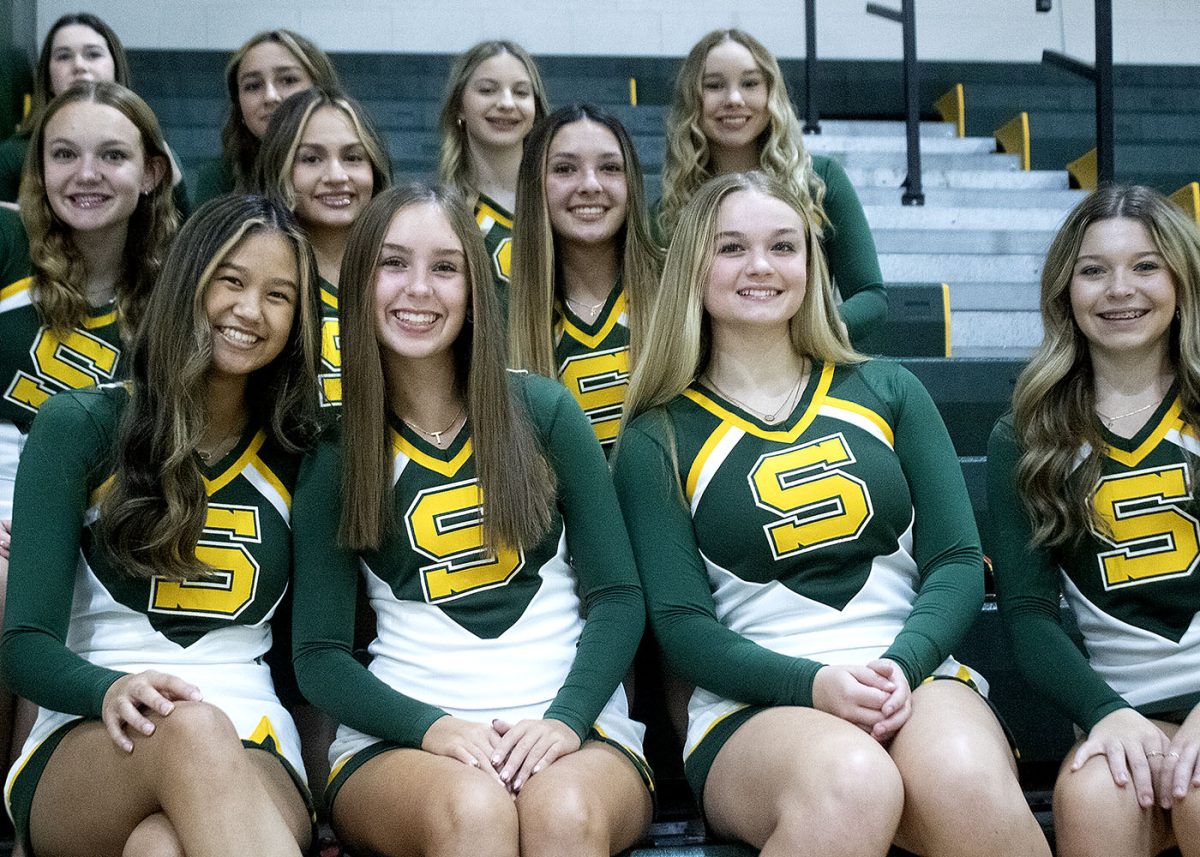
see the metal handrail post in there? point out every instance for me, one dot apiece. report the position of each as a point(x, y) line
point(913, 194)
point(812, 124)
point(907, 18)
point(1105, 156)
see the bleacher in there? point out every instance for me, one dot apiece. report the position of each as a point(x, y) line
point(962, 271)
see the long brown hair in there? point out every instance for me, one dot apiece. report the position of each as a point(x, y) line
point(239, 146)
point(1054, 404)
point(277, 154)
point(534, 286)
point(516, 481)
point(153, 513)
point(59, 276)
point(42, 93)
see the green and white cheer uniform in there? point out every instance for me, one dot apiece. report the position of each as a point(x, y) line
point(840, 535)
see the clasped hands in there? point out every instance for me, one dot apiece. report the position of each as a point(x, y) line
point(512, 753)
point(876, 698)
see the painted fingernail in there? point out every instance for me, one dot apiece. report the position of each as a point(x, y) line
point(167, 708)
point(496, 759)
point(517, 785)
point(537, 767)
point(505, 774)
point(147, 728)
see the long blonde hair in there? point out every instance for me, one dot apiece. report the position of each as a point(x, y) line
point(782, 155)
point(672, 359)
point(516, 480)
point(454, 160)
point(59, 276)
point(1054, 404)
point(534, 286)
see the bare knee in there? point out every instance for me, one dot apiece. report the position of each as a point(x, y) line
point(476, 811)
point(154, 837)
point(195, 736)
point(858, 780)
point(567, 815)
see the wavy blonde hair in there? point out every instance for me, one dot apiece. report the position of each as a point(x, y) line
point(534, 287)
point(782, 155)
point(1054, 403)
point(59, 275)
point(454, 160)
point(670, 361)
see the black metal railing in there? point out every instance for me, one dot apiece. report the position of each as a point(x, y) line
point(1101, 76)
point(812, 124)
point(907, 18)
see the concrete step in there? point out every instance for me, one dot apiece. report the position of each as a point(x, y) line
point(957, 241)
point(879, 128)
point(930, 162)
point(993, 329)
point(898, 216)
point(836, 144)
point(936, 177)
point(998, 296)
point(953, 268)
point(957, 198)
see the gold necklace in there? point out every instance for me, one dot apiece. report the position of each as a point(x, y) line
point(785, 407)
point(590, 309)
point(221, 447)
point(1108, 421)
point(436, 435)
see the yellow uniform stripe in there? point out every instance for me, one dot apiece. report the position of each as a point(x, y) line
point(212, 486)
point(1169, 421)
point(705, 451)
point(865, 413)
point(16, 288)
point(445, 468)
point(329, 299)
point(593, 340)
point(750, 428)
point(266, 473)
point(483, 211)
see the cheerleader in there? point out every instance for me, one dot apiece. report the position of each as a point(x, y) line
point(1092, 494)
point(491, 719)
point(493, 98)
point(151, 548)
point(730, 111)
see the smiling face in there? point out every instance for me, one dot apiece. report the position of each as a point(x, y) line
point(267, 74)
point(498, 106)
point(77, 53)
point(1122, 294)
point(733, 93)
point(421, 287)
point(250, 301)
point(331, 173)
point(586, 190)
point(759, 268)
point(95, 166)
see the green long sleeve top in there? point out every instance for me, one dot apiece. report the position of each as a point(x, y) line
point(551, 627)
point(840, 535)
point(75, 621)
point(1133, 592)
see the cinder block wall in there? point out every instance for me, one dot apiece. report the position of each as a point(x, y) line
point(1147, 31)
